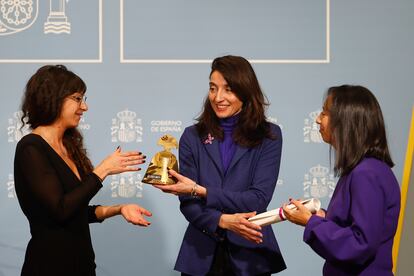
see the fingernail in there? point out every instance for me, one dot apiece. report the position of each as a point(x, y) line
point(139, 153)
point(118, 147)
point(144, 156)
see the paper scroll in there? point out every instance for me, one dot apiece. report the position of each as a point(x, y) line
point(277, 215)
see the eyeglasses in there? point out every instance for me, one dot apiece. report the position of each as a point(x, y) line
point(78, 99)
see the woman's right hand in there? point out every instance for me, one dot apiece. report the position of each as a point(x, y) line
point(239, 224)
point(134, 214)
point(119, 162)
point(300, 215)
point(321, 213)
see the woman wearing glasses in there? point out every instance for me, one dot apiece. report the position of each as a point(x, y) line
point(55, 180)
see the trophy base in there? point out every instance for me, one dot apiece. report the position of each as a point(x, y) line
point(156, 180)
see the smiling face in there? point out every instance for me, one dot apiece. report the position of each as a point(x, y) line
point(73, 108)
point(323, 121)
point(223, 100)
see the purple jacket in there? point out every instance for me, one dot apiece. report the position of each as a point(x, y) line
point(357, 234)
point(247, 186)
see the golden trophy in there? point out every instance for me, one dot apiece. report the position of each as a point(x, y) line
point(157, 172)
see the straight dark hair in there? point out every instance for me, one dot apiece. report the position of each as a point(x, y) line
point(357, 127)
point(252, 126)
point(42, 104)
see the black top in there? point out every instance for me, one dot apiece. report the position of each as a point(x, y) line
point(55, 202)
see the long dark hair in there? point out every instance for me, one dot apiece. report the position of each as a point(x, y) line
point(251, 127)
point(357, 127)
point(42, 104)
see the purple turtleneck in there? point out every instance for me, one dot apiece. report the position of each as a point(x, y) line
point(227, 146)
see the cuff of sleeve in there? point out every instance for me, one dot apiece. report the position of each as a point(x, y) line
point(98, 180)
point(92, 215)
point(312, 223)
point(213, 225)
point(212, 200)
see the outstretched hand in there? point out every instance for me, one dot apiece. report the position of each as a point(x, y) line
point(134, 214)
point(119, 162)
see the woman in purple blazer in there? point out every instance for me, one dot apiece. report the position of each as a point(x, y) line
point(229, 164)
point(356, 233)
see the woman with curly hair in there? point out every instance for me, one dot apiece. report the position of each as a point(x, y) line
point(55, 180)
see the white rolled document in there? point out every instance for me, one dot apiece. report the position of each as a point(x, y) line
point(277, 215)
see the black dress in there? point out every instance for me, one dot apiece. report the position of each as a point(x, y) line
point(55, 202)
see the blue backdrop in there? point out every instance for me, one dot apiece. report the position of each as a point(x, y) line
point(146, 64)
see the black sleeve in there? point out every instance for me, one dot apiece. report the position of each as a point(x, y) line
point(91, 214)
point(46, 187)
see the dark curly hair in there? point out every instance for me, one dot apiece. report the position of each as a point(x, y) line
point(252, 126)
point(42, 104)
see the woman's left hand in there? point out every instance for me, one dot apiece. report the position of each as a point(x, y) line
point(239, 224)
point(300, 215)
point(134, 214)
point(184, 186)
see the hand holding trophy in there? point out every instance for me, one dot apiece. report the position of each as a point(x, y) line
point(162, 172)
point(157, 172)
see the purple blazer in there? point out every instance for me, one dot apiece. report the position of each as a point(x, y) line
point(357, 234)
point(247, 186)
